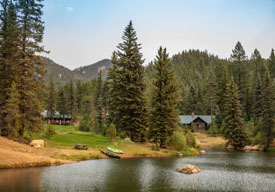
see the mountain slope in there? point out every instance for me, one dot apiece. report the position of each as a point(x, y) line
point(60, 73)
point(90, 71)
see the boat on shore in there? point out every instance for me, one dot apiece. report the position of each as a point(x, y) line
point(110, 154)
point(114, 150)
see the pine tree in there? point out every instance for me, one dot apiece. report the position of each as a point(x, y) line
point(233, 123)
point(164, 117)
point(98, 103)
point(10, 113)
point(239, 69)
point(9, 55)
point(257, 107)
point(51, 100)
point(222, 81)
point(62, 103)
point(79, 95)
point(271, 64)
point(71, 101)
point(130, 113)
point(31, 69)
point(268, 113)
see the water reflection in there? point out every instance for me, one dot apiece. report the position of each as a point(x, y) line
point(221, 171)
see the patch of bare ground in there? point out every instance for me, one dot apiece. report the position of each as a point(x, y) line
point(205, 141)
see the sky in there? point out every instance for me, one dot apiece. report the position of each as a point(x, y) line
point(82, 32)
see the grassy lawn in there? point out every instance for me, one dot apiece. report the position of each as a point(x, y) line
point(68, 136)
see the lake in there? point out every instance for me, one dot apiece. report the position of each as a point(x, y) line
point(221, 171)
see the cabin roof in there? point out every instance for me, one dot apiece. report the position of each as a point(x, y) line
point(46, 114)
point(187, 119)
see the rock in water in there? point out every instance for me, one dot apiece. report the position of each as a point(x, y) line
point(202, 152)
point(38, 143)
point(189, 169)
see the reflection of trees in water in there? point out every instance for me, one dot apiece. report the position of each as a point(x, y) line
point(123, 175)
point(23, 180)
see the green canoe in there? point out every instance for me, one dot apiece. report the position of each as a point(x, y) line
point(114, 150)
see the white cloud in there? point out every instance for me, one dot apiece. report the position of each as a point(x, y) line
point(70, 9)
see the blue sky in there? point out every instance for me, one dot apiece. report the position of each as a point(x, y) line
point(81, 32)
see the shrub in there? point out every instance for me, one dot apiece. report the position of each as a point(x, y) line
point(49, 132)
point(111, 132)
point(190, 139)
point(177, 141)
point(257, 140)
point(86, 123)
point(213, 131)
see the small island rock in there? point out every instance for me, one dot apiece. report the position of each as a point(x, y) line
point(202, 152)
point(189, 169)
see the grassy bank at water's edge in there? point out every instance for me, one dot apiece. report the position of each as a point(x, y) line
point(59, 149)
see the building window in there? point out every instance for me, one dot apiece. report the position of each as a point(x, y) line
point(198, 125)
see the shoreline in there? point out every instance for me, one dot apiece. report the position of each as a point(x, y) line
point(57, 163)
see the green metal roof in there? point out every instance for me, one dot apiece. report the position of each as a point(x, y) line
point(187, 119)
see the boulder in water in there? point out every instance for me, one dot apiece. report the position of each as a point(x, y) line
point(202, 152)
point(189, 169)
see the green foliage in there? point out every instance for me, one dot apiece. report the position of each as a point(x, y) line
point(177, 141)
point(127, 99)
point(213, 131)
point(86, 123)
point(51, 100)
point(111, 132)
point(164, 116)
point(190, 139)
point(233, 123)
point(49, 132)
point(268, 113)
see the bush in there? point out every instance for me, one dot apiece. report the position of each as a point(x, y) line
point(257, 140)
point(177, 141)
point(155, 147)
point(213, 131)
point(111, 132)
point(190, 139)
point(86, 123)
point(49, 132)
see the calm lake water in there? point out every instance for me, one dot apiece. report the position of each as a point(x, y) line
point(221, 171)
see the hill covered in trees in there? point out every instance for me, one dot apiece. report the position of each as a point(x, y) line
point(91, 71)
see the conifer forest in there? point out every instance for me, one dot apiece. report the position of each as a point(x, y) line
point(141, 100)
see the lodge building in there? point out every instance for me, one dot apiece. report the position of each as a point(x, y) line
point(200, 123)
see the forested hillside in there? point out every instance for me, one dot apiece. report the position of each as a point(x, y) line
point(91, 71)
point(63, 75)
point(60, 73)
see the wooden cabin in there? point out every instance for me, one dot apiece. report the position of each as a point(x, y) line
point(57, 119)
point(200, 123)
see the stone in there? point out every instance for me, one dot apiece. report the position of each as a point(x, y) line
point(189, 169)
point(252, 148)
point(202, 152)
point(230, 146)
point(38, 143)
point(128, 140)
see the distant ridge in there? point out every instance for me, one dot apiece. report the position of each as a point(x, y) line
point(91, 71)
point(62, 74)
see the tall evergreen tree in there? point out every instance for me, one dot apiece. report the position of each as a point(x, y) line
point(79, 95)
point(11, 112)
point(98, 103)
point(71, 101)
point(257, 106)
point(31, 68)
point(51, 100)
point(164, 117)
point(222, 81)
point(62, 103)
point(131, 110)
point(239, 69)
point(268, 113)
point(271, 64)
point(233, 123)
point(9, 56)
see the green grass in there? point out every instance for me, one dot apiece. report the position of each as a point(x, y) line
point(68, 136)
point(270, 149)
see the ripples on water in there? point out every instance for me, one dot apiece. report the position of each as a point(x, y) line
point(221, 171)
